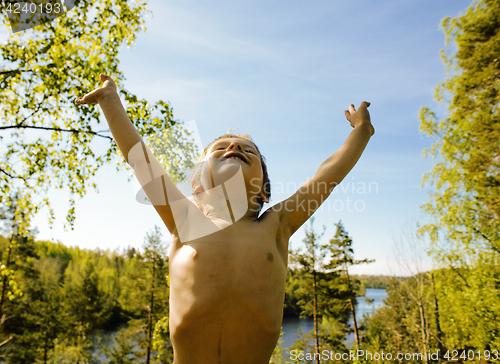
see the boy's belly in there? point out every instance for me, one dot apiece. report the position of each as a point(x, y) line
point(226, 301)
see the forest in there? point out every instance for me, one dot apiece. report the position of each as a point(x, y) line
point(57, 301)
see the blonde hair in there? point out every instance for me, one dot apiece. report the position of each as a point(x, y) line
point(196, 175)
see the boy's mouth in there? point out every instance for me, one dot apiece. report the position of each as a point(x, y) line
point(235, 155)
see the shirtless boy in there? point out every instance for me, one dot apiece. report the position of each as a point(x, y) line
point(227, 287)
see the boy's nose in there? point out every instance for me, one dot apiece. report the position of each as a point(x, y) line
point(234, 145)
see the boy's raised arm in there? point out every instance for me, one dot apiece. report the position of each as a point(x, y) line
point(296, 210)
point(151, 175)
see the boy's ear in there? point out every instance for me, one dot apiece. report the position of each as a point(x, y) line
point(263, 197)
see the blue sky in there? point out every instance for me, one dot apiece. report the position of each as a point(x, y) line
point(284, 72)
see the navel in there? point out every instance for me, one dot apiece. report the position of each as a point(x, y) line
point(270, 256)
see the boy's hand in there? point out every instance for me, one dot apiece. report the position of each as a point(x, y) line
point(108, 88)
point(359, 117)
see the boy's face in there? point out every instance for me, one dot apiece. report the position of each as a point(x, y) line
point(225, 157)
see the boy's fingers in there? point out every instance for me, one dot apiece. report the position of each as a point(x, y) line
point(347, 115)
point(365, 104)
point(87, 99)
point(104, 77)
point(351, 108)
point(80, 100)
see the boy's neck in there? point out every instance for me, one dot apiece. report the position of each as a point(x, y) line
point(215, 206)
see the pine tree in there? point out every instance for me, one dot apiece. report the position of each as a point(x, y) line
point(342, 257)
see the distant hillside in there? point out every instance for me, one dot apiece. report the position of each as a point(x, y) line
point(375, 281)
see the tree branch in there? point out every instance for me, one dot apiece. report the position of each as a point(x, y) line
point(487, 239)
point(9, 72)
point(11, 176)
point(54, 129)
point(35, 111)
point(6, 341)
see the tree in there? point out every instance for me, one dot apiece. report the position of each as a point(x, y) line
point(155, 254)
point(311, 261)
point(21, 311)
point(390, 328)
point(321, 294)
point(50, 141)
point(466, 201)
point(144, 296)
point(72, 297)
point(88, 304)
point(410, 251)
point(122, 352)
point(161, 341)
point(342, 256)
point(465, 204)
point(278, 357)
point(18, 242)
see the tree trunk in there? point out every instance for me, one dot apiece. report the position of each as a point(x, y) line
point(438, 327)
point(422, 317)
point(315, 315)
point(45, 349)
point(5, 278)
point(355, 323)
point(351, 301)
point(422, 329)
point(150, 322)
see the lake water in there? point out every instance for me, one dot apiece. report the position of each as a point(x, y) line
point(291, 326)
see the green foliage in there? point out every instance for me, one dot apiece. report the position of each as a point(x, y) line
point(313, 279)
point(13, 289)
point(71, 352)
point(332, 335)
point(469, 306)
point(124, 349)
point(294, 280)
point(161, 342)
point(49, 141)
point(342, 257)
point(396, 326)
point(464, 205)
point(465, 311)
point(375, 281)
point(87, 303)
point(70, 295)
point(278, 357)
point(176, 151)
point(321, 276)
point(466, 176)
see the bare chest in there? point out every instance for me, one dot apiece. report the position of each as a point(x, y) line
point(230, 258)
point(241, 263)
